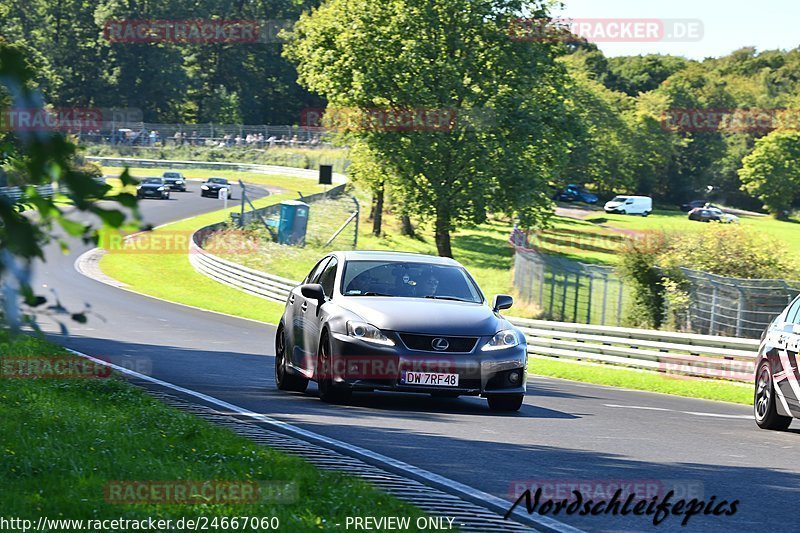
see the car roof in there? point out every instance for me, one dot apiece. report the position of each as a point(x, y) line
point(379, 255)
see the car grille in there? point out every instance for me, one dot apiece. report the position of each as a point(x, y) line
point(424, 343)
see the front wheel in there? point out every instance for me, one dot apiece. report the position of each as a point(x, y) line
point(766, 414)
point(646, 214)
point(328, 391)
point(622, 212)
point(505, 402)
point(284, 379)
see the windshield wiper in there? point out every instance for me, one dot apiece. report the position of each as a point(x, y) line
point(371, 294)
point(451, 298)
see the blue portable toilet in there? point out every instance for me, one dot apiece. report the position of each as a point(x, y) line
point(293, 223)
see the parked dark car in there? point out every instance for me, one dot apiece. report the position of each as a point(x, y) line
point(776, 399)
point(573, 193)
point(153, 188)
point(175, 180)
point(213, 185)
point(398, 322)
point(709, 214)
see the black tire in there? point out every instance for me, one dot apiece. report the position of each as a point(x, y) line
point(764, 409)
point(505, 402)
point(328, 391)
point(284, 379)
point(622, 212)
point(646, 214)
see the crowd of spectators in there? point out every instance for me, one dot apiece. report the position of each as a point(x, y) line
point(143, 137)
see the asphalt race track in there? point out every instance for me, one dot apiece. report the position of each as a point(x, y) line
point(565, 431)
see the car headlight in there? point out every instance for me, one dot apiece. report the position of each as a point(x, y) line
point(204, 187)
point(179, 182)
point(161, 188)
point(368, 332)
point(502, 340)
point(138, 187)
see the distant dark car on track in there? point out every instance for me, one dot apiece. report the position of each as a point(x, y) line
point(776, 399)
point(153, 188)
point(398, 322)
point(175, 180)
point(213, 185)
point(573, 193)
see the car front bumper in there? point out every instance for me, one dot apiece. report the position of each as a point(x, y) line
point(361, 365)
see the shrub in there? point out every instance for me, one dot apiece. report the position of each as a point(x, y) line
point(639, 268)
point(731, 251)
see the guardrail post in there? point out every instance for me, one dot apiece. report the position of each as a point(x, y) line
point(619, 302)
point(589, 307)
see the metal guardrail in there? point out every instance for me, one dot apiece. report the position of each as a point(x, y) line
point(682, 354)
point(15, 193)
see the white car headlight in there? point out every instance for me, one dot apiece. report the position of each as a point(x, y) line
point(502, 340)
point(367, 332)
point(204, 187)
point(161, 188)
point(179, 182)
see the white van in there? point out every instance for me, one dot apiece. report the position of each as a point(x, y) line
point(630, 205)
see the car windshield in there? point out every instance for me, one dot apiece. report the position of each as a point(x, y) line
point(221, 181)
point(620, 199)
point(171, 175)
point(153, 180)
point(409, 280)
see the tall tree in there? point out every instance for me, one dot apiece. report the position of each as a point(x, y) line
point(771, 172)
point(499, 100)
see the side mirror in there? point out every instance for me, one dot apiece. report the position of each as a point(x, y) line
point(502, 301)
point(313, 291)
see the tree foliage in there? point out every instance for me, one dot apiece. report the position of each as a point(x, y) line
point(505, 139)
point(31, 158)
point(772, 171)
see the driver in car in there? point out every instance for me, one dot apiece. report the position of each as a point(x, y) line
point(427, 285)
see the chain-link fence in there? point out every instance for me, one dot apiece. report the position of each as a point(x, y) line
point(570, 291)
point(592, 294)
point(733, 306)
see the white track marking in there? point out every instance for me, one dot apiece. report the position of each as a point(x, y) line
point(452, 485)
point(695, 413)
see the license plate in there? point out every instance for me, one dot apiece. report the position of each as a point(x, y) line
point(433, 379)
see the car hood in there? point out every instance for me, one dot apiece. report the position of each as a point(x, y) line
point(416, 315)
point(150, 185)
point(613, 204)
point(215, 185)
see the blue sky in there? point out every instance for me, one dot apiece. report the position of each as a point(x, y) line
point(728, 25)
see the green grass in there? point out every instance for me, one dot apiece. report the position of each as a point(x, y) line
point(595, 238)
point(64, 440)
point(640, 380)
